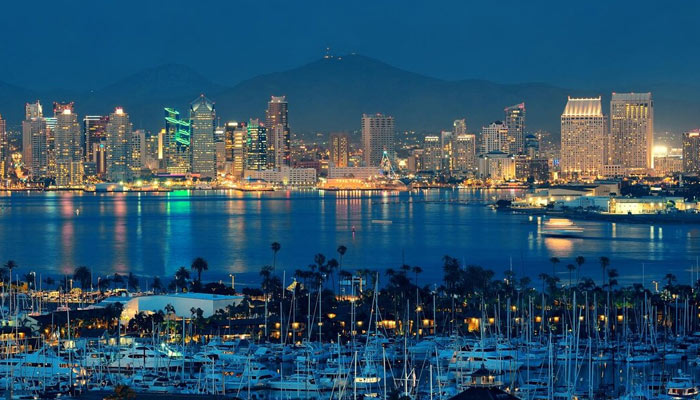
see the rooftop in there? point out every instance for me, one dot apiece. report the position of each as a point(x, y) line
point(583, 107)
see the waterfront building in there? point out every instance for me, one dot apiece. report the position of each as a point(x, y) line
point(202, 147)
point(583, 137)
point(691, 152)
point(175, 145)
point(118, 145)
point(631, 131)
point(278, 132)
point(497, 166)
point(464, 152)
point(363, 173)
point(494, 138)
point(68, 151)
point(256, 146)
point(531, 169)
point(377, 138)
point(182, 303)
point(339, 149)
point(34, 140)
point(236, 136)
point(432, 154)
point(669, 164)
point(515, 124)
point(285, 176)
point(139, 155)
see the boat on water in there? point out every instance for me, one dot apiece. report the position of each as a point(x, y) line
point(682, 387)
point(561, 227)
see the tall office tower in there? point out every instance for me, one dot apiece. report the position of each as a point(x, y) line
point(118, 145)
point(583, 137)
point(339, 149)
point(203, 149)
point(494, 138)
point(229, 129)
point(278, 137)
point(176, 143)
point(220, 148)
point(631, 130)
point(377, 138)
point(691, 152)
point(34, 140)
point(464, 152)
point(515, 123)
point(94, 132)
point(256, 146)
point(51, 123)
point(138, 155)
point(68, 152)
point(238, 149)
point(432, 153)
point(459, 127)
point(446, 138)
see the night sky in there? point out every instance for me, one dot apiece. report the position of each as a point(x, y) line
point(88, 44)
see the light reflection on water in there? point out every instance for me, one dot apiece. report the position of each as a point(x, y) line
point(155, 233)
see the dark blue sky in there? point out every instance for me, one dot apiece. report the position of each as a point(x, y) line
point(89, 43)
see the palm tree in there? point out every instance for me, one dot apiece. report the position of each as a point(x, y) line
point(571, 268)
point(579, 261)
point(199, 264)
point(117, 279)
point(417, 270)
point(604, 263)
point(275, 248)
point(132, 281)
point(9, 266)
point(83, 276)
point(554, 261)
point(181, 277)
point(157, 285)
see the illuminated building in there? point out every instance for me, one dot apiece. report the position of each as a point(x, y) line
point(285, 176)
point(34, 140)
point(339, 149)
point(220, 145)
point(631, 131)
point(138, 155)
point(377, 137)
point(515, 123)
point(119, 154)
point(68, 151)
point(176, 143)
point(235, 136)
point(494, 138)
point(202, 147)
point(3, 142)
point(531, 146)
point(94, 131)
point(256, 146)
point(497, 166)
point(362, 173)
point(530, 169)
point(464, 152)
point(459, 127)
point(691, 152)
point(583, 139)
point(278, 132)
point(432, 154)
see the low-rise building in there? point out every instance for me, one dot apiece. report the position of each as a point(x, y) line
point(284, 176)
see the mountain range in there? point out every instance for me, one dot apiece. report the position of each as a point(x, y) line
point(331, 94)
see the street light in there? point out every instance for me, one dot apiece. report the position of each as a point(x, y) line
point(233, 282)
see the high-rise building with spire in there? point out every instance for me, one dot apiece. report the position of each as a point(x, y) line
point(203, 148)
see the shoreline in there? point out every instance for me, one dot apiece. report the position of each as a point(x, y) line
point(672, 218)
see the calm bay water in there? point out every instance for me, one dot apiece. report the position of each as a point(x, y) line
point(154, 233)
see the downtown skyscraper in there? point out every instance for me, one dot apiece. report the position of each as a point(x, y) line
point(377, 138)
point(175, 144)
point(278, 132)
point(583, 137)
point(691, 152)
point(515, 123)
point(631, 131)
point(34, 140)
point(202, 146)
point(494, 138)
point(339, 149)
point(67, 146)
point(256, 151)
point(118, 145)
